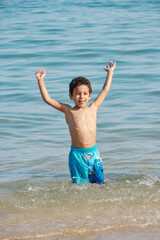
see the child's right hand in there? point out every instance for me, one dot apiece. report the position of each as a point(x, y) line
point(40, 74)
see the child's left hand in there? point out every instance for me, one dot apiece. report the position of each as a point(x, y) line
point(111, 67)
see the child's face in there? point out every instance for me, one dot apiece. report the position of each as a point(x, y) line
point(81, 96)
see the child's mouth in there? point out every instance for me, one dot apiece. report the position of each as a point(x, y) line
point(81, 102)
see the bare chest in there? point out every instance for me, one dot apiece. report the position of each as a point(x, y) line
point(82, 118)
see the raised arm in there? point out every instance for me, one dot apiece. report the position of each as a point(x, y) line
point(109, 69)
point(45, 95)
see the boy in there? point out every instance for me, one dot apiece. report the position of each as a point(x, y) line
point(85, 163)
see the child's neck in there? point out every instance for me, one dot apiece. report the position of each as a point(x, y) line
point(79, 108)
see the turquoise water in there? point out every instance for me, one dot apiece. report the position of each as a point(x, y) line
point(69, 39)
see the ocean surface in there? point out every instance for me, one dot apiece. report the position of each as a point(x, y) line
point(69, 39)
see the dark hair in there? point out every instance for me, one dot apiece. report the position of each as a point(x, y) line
point(78, 82)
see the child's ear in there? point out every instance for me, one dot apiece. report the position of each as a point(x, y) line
point(70, 95)
point(90, 95)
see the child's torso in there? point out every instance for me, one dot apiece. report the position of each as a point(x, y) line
point(82, 126)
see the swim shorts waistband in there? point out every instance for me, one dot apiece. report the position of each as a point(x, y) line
point(84, 150)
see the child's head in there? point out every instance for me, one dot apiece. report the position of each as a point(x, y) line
point(78, 82)
point(80, 91)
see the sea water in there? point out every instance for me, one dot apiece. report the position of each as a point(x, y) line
point(70, 39)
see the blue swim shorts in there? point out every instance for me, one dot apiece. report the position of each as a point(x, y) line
point(85, 165)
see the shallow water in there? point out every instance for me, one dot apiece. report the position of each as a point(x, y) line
point(69, 39)
point(49, 208)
